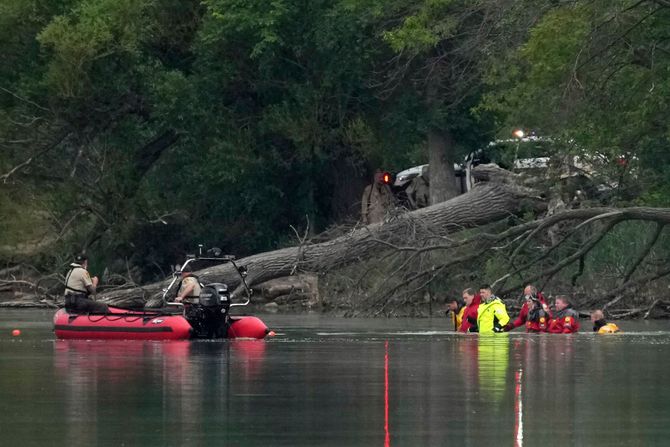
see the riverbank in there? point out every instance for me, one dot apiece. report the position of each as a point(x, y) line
point(298, 306)
point(302, 293)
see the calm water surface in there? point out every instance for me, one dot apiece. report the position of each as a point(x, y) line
point(339, 382)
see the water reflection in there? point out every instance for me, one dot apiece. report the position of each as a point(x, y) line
point(547, 392)
point(493, 361)
point(387, 431)
point(369, 385)
point(167, 390)
point(518, 408)
point(515, 383)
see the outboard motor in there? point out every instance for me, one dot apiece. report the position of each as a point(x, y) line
point(209, 316)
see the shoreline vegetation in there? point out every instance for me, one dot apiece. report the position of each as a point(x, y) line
point(303, 294)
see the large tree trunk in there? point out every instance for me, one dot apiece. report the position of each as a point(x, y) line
point(441, 153)
point(486, 203)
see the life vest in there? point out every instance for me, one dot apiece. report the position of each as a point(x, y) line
point(72, 290)
point(524, 316)
point(566, 322)
point(457, 317)
point(538, 322)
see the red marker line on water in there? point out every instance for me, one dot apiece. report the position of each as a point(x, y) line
point(518, 409)
point(387, 435)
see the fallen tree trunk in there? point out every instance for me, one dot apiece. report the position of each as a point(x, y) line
point(488, 202)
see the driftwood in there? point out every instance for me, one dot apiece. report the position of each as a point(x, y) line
point(651, 308)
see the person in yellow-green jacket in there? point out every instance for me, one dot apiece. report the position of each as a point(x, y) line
point(492, 313)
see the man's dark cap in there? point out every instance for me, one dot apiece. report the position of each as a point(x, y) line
point(80, 258)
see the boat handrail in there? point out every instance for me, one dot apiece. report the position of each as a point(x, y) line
point(242, 272)
point(175, 276)
point(175, 303)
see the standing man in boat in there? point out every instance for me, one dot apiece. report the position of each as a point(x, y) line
point(376, 201)
point(79, 286)
point(492, 313)
point(566, 319)
point(189, 288)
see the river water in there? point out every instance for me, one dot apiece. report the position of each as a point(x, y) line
point(340, 382)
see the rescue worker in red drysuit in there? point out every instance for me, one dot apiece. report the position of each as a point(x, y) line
point(534, 314)
point(566, 319)
point(472, 300)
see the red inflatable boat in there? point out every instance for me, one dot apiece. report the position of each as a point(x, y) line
point(204, 316)
point(145, 325)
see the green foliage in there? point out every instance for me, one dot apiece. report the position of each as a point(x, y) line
point(424, 29)
point(22, 224)
point(80, 41)
point(270, 107)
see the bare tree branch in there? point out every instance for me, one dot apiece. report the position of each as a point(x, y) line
point(644, 252)
point(27, 101)
point(58, 140)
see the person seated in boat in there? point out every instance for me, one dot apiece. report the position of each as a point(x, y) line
point(566, 319)
point(189, 288)
point(456, 310)
point(472, 300)
point(79, 287)
point(600, 325)
point(534, 314)
point(491, 313)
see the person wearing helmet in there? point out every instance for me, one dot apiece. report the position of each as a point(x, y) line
point(491, 313)
point(566, 319)
point(79, 286)
point(377, 200)
point(534, 314)
point(600, 325)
